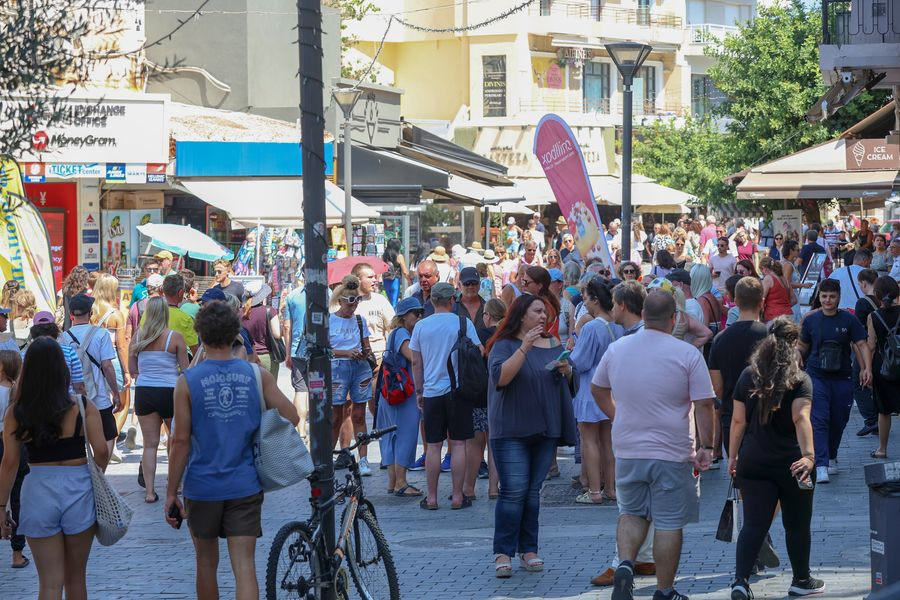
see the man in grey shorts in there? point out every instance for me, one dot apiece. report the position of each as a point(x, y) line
point(653, 440)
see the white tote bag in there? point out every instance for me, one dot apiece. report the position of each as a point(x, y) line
point(113, 513)
point(279, 454)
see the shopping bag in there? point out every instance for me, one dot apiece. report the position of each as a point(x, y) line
point(737, 507)
point(726, 531)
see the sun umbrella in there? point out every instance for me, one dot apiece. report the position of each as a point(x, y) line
point(337, 269)
point(185, 241)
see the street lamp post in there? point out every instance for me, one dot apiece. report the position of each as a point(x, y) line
point(346, 99)
point(628, 56)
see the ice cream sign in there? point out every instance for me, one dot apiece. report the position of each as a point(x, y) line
point(872, 155)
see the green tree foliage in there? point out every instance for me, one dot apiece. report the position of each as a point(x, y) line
point(352, 10)
point(769, 74)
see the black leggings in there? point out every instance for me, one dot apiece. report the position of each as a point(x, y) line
point(760, 497)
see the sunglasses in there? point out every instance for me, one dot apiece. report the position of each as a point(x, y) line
point(628, 271)
point(350, 299)
point(471, 282)
point(155, 270)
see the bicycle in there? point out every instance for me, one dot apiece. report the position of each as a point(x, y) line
point(299, 566)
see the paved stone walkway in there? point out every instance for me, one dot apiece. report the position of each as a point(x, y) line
point(446, 555)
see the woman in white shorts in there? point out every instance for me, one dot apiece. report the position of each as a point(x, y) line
point(57, 517)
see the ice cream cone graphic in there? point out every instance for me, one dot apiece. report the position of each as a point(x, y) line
point(859, 151)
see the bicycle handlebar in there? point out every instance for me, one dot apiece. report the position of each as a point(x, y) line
point(365, 438)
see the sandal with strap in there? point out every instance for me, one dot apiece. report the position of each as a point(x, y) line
point(589, 498)
point(532, 564)
point(402, 491)
point(502, 569)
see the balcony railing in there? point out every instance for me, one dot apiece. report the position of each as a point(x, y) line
point(601, 107)
point(706, 33)
point(860, 22)
point(594, 11)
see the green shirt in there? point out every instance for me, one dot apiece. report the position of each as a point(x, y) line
point(190, 309)
point(181, 322)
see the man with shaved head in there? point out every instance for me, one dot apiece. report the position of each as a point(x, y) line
point(653, 440)
point(427, 276)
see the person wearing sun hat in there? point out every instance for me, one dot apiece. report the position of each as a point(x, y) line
point(165, 259)
point(474, 256)
point(445, 272)
point(512, 236)
point(562, 228)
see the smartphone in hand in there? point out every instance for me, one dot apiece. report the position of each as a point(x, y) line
point(175, 513)
point(804, 482)
point(553, 363)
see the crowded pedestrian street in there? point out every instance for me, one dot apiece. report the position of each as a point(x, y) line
point(442, 556)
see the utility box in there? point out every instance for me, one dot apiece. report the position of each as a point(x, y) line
point(883, 480)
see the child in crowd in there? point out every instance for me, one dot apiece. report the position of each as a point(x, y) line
point(10, 365)
point(733, 313)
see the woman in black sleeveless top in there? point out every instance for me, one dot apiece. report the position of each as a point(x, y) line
point(58, 517)
point(882, 323)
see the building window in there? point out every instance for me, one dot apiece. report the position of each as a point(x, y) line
point(643, 90)
point(596, 87)
point(704, 95)
point(545, 7)
point(494, 85)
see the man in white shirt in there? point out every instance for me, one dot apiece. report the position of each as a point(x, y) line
point(850, 291)
point(682, 279)
point(100, 352)
point(431, 344)
point(722, 264)
point(712, 244)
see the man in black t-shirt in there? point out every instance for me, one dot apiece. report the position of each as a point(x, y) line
point(732, 348)
point(811, 247)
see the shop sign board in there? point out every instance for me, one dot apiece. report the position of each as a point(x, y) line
point(375, 118)
point(787, 222)
point(156, 172)
point(136, 173)
point(115, 171)
point(120, 128)
point(866, 155)
point(575, 55)
point(90, 240)
point(494, 85)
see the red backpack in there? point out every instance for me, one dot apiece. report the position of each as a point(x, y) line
point(396, 384)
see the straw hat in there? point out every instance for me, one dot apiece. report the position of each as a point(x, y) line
point(489, 257)
point(476, 247)
point(439, 255)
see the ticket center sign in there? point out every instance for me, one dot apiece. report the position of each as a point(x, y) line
point(114, 129)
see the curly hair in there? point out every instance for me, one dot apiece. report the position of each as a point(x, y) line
point(774, 367)
point(76, 282)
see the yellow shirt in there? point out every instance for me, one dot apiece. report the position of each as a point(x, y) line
point(181, 322)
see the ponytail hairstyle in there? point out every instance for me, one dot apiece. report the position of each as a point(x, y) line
point(767, 262)
point(774, 367)
point(886, 291)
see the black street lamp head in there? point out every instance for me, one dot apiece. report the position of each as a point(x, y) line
point(628, 56)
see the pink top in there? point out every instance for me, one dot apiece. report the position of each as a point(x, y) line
point(654, 412)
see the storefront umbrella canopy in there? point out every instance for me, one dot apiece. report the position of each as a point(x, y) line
point(646, 194)
point(272, 201)
point(184, 241)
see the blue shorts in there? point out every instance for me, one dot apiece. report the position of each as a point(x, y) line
point(56, 499)
point(353, 378)
point(120, 378)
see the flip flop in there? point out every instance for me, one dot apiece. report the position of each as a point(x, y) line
point(423, 504)
point(25, 562)
point(466, 503)
point(874, 454)
point(472, 498)
point(401, 492)
point(155, 499)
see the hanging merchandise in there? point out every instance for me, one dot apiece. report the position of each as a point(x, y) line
point(276, 253)
point(246, 256)
point(368, 240)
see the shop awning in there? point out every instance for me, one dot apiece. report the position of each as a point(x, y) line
point(426, 147)
point(646, 194)
point(374, 170)
point(537, 191)
point(272, 202)
point(817, 186)
point(511, 208)
point(477, 194)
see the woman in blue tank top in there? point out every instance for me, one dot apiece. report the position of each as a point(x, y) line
point(217, 413)
point(156, 356)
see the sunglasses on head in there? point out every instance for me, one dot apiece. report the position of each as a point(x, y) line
point(350, 299)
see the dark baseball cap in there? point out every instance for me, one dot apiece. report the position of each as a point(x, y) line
point(468, 275)
point(80, 304)
point(212, 294)
point(679, 275)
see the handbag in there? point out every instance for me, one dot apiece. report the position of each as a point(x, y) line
point(366, 349)
point(113, 513)
point(279, 454)
point(276, 347)
point(732, 518)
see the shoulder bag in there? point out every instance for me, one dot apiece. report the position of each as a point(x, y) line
point(365, 347)
point(279, 454)
point(276, 347)
point(830, 353)
point(113, 513)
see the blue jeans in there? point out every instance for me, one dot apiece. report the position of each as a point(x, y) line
point(350, 378)
point(831, 404)
point(522, 464)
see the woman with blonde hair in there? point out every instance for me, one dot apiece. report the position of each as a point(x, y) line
point(106, 313)
point(157, 355)
point(8, 293)
point(24, 306)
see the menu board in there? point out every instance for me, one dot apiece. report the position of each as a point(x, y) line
point(494, 85)
point(813, 272)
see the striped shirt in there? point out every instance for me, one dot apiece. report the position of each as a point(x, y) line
point(76, 373)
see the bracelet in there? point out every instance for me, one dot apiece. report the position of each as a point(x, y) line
point(710, 448)
point(522, 351)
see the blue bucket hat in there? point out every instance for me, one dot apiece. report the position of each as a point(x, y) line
point(556, 275)
point(408, 304)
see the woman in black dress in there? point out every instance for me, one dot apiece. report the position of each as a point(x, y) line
point(882, 323)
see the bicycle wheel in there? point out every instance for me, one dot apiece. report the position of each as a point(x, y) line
point(293, 569)
point(370, 561)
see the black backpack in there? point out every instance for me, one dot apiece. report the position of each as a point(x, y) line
point(473, 375)
point(890, 351)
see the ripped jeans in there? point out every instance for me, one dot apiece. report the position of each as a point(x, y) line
point(353, 378)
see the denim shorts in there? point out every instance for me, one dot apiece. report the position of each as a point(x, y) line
point(56, 499)
point(662, 491)
point(353, 377)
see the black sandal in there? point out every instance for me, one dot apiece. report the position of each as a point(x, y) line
point(466, 503)
point(25, 562)
point(874, 454)
point(401, 491)
point(423, 504)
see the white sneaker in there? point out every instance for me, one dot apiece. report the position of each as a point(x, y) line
point(364, 468)
point(822, 475)
point(833, 467)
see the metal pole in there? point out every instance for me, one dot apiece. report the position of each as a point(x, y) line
point(487, 228)
point(348, 191)
point(312, 126)
point(626, 171)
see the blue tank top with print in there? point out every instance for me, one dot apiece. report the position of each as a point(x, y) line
point(225, 415)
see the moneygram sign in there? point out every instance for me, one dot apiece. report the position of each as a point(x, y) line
point(114, 129)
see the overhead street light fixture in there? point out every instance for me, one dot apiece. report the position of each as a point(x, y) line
point(628, 58)
point(346, 99)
